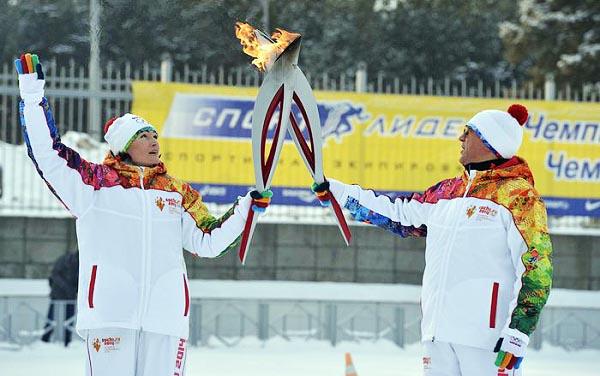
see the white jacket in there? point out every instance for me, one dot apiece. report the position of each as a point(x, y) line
point(488, 270)
point(132, 225)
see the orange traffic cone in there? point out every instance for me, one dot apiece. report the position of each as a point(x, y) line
point(350, 371)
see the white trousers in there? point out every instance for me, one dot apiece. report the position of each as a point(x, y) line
point(448, 359)
point(128, 352)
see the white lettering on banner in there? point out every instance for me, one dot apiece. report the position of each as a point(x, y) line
point(247, 121)
point(204, 117)
point(231, 114)
point(573, 169)
point(551, 130)
point(207, 190)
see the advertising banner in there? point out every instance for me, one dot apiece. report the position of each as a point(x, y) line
point(393, 144)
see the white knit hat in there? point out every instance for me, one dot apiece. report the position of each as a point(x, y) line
point(119, 132)
point(501, 131)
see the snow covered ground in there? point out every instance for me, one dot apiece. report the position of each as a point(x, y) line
point(297, 358)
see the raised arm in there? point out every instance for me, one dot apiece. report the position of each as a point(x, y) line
point(70, 178)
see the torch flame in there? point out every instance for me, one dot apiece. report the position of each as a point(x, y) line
point(264, 51)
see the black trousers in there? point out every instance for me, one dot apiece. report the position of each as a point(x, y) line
point(48, 329)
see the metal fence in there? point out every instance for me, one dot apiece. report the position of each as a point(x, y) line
point(23, 321)
point(69, 93)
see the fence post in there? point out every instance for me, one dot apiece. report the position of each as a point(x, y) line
point(263, 321)
point(166, 68)
point(361, 78)
point(332, 323)
point(399, 327)
point(60, 315)
point(195, 324)
point(94, 121)
point(549, 88)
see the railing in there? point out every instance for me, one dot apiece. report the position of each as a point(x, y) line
point(21, 193)
point(23, 321)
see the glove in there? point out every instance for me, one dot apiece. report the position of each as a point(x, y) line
point(511, 351)
point(322, 192)
point(260, 200)
point(31, 78)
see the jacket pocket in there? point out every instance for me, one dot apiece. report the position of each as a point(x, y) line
point(187, 297)
point(494, 304)
point(91, 287)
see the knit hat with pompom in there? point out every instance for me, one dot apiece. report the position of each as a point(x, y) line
point(501, 131)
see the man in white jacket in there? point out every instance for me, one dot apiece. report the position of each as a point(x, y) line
point(488, 254)
point(132, 220)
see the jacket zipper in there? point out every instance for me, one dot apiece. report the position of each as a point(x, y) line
point(145, 253)
point(444, 274)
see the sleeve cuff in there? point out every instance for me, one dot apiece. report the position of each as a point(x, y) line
point(339, 191)
point(516, 333)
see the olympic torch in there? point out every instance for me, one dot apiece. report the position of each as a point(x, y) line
point(284, 84)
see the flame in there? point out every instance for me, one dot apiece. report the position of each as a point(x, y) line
point(264, 51)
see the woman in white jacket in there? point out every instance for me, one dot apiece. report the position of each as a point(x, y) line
point(132, 220)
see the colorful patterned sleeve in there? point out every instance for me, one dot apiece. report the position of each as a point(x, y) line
point(364, 214)
point(403, 216)
point(535, 273)
point(203, 220)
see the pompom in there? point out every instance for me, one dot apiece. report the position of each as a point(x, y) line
point(109, 123)
point(519, 112)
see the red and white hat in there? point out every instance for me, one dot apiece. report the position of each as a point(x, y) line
point(121, 131)
point(502, 131)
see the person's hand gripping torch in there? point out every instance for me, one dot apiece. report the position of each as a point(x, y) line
point(284, 84)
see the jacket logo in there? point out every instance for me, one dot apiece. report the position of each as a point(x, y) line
point(484, 213)
point(173, 202)
point(160, 203)
point(96, 344)
point(426, 362)
point(111, 343)
point(486, 210)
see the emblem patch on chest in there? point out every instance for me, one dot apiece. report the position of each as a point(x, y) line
point(484, 213)
point(160, 203)
point(172, 204)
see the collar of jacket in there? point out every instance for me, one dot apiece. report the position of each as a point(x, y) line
point(131, 171)
point(515, 167)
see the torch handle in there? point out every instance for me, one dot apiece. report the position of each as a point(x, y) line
point(247, 235)
point(341, 220)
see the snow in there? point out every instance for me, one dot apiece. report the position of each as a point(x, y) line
point(296, 358)
point(312, 291)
